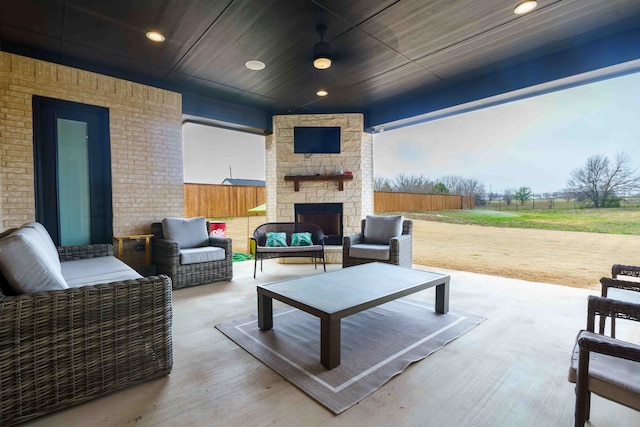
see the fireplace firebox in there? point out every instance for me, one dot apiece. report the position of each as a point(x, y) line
point(326, 215)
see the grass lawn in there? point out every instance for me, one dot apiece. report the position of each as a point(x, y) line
point(609, 220)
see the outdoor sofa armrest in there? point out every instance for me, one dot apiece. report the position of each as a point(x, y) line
point(221, 242)
point(65, 347)
point(72, 253)
point(625, 270)
point(401, 251)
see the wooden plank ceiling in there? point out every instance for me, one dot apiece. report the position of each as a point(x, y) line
point(392, 58)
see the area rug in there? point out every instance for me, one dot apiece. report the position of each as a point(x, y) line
point(377, 344)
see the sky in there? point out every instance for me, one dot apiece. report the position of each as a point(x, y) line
point(534, 142)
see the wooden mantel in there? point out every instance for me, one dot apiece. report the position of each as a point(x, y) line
point(340, 179)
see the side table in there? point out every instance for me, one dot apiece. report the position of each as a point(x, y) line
point(138, 238)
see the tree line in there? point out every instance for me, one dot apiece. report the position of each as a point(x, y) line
point(600, 182)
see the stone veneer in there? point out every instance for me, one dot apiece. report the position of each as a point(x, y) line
point(356, 155)
point(146, 141)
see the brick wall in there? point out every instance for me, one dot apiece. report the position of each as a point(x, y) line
point(146, 141)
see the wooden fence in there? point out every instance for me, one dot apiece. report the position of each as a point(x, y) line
point(228, 201)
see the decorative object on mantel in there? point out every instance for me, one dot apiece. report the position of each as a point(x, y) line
point(299, 178)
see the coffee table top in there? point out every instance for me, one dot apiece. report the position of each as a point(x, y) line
point(351, 289)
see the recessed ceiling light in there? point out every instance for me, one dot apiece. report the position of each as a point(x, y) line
point(255, 65)
point(155, 36)
point(525, 7)
point(322, 92)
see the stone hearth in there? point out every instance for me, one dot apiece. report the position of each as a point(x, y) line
point(356, 156)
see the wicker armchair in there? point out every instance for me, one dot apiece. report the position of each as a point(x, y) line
point(604, 365)
point(166, 257)
point(620, 289)
point(65, 347)
point(400, 248)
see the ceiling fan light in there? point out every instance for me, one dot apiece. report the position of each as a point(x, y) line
point(322, 92)
point(322, 63)
point(322, 55)
point(525, 7)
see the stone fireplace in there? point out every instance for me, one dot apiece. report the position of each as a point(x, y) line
point(316, 182)
point(327, 215)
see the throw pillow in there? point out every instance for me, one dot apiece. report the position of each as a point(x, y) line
point(301, 239)
point(275, 239)
point(379, 229)
point(188, 232)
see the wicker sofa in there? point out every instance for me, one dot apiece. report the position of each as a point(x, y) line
point(263, 251)
point(63, 347)
point(168, 253)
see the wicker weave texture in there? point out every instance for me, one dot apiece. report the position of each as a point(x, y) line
point(62, 348)
point(317, 237)
point(166, 256)
point(400, 248)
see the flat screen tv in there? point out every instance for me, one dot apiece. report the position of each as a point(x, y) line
point(315, 139)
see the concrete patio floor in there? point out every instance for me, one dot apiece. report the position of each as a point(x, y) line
point(511, 370)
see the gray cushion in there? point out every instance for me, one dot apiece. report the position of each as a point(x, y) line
point(93, 271)
point(379, 229)
point(26, 265)
point(188, 232)
point(49, 248)
point(615, 378)
point(198, 255)
point(624, 295)
point(365, 250)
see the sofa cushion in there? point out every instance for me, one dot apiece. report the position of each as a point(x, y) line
point(301, 239)
point(93, 271)
point(365, 250)
point(379, 229)
point(49, 247)
point(198, 255)
point(188, 232)
point(276, 239)
point(26, 265)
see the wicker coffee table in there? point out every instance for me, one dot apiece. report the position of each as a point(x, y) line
point(332, 296)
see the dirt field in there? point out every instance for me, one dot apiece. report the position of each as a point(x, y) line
point(560, 257)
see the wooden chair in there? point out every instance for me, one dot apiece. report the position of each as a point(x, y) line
point(620, 289)
point(604, 365)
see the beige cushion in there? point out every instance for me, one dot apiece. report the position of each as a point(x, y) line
point(365, 250)
point(379, 229)
point(93, 271)
point(188, 232)
point(611, 377)
point(198, 255)
point(26, 265)
point(49, 247)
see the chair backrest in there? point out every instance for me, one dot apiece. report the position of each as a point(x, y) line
point(156, 230)
point(407, 226)
point(317, 235)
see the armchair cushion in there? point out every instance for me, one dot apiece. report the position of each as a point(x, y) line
point(188, 232)
point(26, 265)
point(379, 229)
point(624, 295)
point(198, 255)
point(365, 250)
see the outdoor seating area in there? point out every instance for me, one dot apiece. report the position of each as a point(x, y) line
point(490, 377)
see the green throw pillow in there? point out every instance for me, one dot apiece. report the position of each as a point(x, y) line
point(276, 239)
point(301, 239)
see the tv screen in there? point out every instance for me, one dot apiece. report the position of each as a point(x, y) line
point(315, 139)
